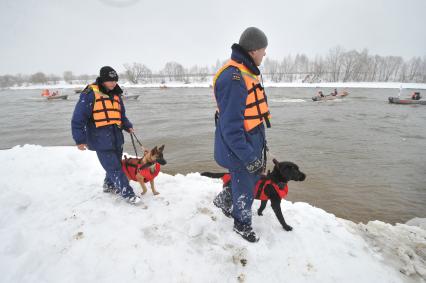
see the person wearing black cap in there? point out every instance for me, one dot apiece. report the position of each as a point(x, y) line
point(97, 124)
point(240, 141)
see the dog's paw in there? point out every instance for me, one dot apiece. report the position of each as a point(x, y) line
point(259, 212)
point(288, 228)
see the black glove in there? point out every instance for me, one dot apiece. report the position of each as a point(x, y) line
point(255, 167)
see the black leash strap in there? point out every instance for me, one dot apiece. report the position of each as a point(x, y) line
point(134, 146)
point(265, 157)
point(137, 139)
point(134, 137)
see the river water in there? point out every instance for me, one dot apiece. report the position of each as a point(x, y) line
point(365, 159)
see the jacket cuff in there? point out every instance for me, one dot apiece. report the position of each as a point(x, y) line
point(127, 126)
point(80, 142)
point(249, 159)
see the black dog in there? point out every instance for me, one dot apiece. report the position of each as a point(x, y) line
point(278, 178)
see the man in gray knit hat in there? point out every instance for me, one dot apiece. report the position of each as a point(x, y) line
point(254, 41)
point(240, 132)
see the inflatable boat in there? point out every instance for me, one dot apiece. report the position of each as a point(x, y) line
point(63, 96)
point(330, 97)
point(396, 100)
point(131, 96)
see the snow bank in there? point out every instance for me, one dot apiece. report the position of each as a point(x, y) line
point(57, 226)
point(416, 221)
point(390, 85)
point(59, 85)
point(403, 245)
point(286, 100)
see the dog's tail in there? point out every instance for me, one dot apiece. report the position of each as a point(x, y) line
point(213, 175)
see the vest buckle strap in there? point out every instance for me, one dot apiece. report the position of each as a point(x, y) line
point(108, 109)
point(255, 86)
point(257, 102)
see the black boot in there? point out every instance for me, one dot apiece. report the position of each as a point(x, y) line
point(224, 201)
point(246, 232)
point(108, 188)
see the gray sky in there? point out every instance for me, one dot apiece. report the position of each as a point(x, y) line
point(83, 35)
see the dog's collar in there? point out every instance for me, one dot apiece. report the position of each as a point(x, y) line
point(274, 179)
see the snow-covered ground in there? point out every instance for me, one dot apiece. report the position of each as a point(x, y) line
point(392, 85)
point(56, 225)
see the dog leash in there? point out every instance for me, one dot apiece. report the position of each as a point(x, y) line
point(133, 137)
point(273, 157)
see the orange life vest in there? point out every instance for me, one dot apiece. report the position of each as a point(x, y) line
point(45, 92)
point(106, 111)
point(257, 109)
point(259, 188)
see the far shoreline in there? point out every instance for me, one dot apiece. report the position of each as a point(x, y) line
point(339, 85)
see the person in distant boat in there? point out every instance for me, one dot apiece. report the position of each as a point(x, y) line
point(320, 94)
point(416, 96)
point(334, 93)
point(45, 93)
point(97, 124)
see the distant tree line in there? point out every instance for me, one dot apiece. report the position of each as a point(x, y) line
point(337, 66)
point(346, 66)
point(42, 78)
point(172, 71)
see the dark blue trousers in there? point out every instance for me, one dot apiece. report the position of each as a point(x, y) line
point(242, 195)
point(111, 162)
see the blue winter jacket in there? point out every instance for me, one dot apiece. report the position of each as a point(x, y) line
point(234, 148)
point(84, 130)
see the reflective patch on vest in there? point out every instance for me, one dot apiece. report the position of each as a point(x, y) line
point(236, 77)
point(87, 90)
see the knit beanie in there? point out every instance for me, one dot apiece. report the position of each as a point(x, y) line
point(108, 74)
point(253, 39)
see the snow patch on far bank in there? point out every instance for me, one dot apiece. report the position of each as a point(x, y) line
point(339, 85)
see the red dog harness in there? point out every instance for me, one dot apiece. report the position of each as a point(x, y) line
point(259, 189)
point(148, 175)
point(131, 170)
